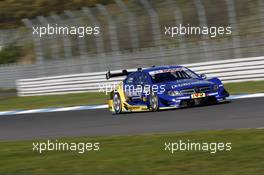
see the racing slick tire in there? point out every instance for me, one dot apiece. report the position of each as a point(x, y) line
point(153, 102)
point(225, 93)
point(117, 103)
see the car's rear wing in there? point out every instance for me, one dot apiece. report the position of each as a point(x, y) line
point(119, 74)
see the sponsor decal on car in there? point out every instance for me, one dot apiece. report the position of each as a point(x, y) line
point(189, 84)
point(198, 95)
point(164, 71)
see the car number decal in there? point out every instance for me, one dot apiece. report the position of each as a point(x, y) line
point(198, 95)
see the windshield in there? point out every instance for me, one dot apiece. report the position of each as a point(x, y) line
point(173, 75)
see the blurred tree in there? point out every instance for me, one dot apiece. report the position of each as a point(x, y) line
point(12, 11)
point(10, 54)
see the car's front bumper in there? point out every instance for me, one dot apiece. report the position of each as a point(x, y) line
point(190, 100)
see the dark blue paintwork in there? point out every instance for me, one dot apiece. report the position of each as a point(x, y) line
point(175, 88)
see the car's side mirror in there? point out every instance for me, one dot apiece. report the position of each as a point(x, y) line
point(203, 76)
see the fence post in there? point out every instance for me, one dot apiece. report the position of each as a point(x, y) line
point(37, 41)
point(81, 41)
point(99, 41)
point(54, 52)
point(132, 24)
point(203, 22)
point(233, 23)
point(261, 19)
point(112, 28)
point(261, 15)
point(1, 40)
point(179, 20)
point(66, 40)
point(154, 22)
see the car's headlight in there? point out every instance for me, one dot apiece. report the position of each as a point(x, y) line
point(215, 87)
point(173, 93)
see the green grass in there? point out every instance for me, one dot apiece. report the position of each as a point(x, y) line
point(2, 91)
point(14, 103)
point(245, 87)
point(141, 155)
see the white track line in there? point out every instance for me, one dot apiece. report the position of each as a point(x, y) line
point(233, 97)
point(76, 108)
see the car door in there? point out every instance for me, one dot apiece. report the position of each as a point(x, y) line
point(137, 87)
point(132, 87)
point(144, 81)
point(143, 84)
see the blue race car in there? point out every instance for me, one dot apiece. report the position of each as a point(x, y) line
point(164, 87)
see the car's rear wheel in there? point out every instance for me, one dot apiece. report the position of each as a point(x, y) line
point(153, 102)
point(117, 103)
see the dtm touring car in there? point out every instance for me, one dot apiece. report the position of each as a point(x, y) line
point(163, 87)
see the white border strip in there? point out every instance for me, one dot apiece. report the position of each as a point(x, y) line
point(78, 108)
point(33, 111)
point(234, 97)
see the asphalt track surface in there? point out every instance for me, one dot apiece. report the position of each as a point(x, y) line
point(244, 113)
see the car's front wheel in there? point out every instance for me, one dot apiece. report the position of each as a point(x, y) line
point(117, 103)
point(153, 102)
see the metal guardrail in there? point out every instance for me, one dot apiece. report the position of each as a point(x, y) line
point(234, 70)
